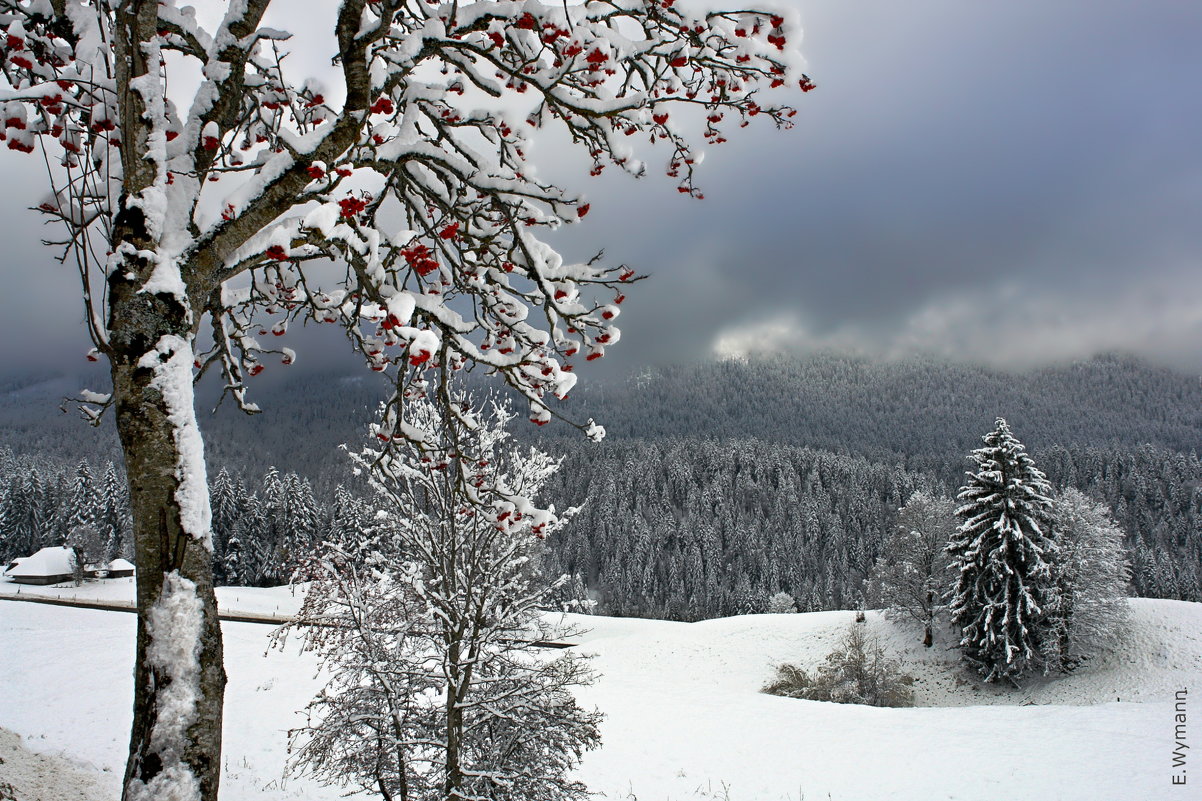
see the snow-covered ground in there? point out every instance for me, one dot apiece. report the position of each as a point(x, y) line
point(685, 718)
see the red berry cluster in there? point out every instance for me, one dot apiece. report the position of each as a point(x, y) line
point(420, 259)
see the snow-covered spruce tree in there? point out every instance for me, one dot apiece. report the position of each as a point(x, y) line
point(911, 574)
point(196, 178)
point(426, 626)
point(1003, 557)
point(1094, 575)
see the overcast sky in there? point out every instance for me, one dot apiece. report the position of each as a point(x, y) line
point(1016, 182)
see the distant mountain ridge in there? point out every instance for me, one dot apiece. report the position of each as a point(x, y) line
point(917, 409)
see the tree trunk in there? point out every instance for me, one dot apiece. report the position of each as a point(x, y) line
point(928, 638)
point(179, 677)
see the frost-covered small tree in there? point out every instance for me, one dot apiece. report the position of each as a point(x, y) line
point(426, 626)
point(781, 603)
point(1004, 557)
point(1094, 575)
point(911, 575)
point(199, 176)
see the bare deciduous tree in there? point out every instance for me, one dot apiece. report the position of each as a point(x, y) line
point(427, 626)
point(911, 575)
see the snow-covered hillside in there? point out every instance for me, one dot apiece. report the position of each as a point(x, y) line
point(685, 716)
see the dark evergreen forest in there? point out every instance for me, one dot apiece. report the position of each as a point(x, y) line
point(718, 485)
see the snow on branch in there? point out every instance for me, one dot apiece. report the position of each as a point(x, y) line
point(412, 178)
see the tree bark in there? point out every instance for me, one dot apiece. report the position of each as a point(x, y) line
point(175, 744)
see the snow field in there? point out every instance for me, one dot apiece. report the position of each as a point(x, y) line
point(29, 776)
point(685, 718)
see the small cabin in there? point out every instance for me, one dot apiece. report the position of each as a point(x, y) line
point(119, 568)
point(47, 566)
point(57, 564)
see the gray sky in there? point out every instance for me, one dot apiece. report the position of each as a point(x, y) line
point(1016, 182)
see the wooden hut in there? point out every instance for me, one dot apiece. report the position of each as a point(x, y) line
point(47, 566)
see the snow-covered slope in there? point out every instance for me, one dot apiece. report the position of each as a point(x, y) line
point(685, 718)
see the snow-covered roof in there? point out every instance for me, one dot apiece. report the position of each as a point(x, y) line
point(56, 561)
point(121, 564)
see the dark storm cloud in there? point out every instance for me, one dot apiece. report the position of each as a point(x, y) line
point(1014, 181)
point(1038, 155)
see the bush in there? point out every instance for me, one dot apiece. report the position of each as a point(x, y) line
point(782, 604)
point(857, 672)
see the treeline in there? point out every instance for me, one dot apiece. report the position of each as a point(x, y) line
point(45, 503)
point(718, 486)
point(260, 529)
point(924, 413)
point(682, 529)
point(690, 528)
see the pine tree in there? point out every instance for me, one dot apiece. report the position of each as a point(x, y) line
point(114, 521)
point(231, 562)
point(84, 500)
point(226, 497)
point(1003, 555)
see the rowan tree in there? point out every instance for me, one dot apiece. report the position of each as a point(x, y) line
point(197, 181)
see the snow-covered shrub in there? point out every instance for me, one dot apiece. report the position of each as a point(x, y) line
point(781, 604)
point(858, 671)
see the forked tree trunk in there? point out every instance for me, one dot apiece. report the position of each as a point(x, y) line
point(179, 677)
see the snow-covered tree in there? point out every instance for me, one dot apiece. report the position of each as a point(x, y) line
point(911, 573)
point(83, 502)
point(114, 514)
point(25, 515)
point(226, 500)
point(1094, 576)
point(426, 628)
point(89, 545)
point(781, 603)
point(230, 568)
point(1004, 557)
point(196, 176)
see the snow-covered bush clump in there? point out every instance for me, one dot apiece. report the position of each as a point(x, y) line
point(858, 671)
